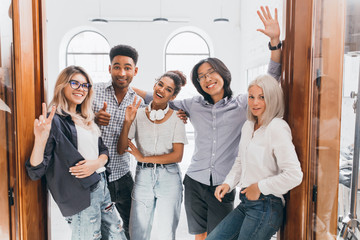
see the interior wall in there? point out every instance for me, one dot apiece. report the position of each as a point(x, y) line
point(236, 43)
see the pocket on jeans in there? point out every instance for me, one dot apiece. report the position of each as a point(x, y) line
point(276, 214)
point(95, 187)
point(173, 168)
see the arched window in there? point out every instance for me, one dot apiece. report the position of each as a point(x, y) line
point(182, 52)
point(90, 50)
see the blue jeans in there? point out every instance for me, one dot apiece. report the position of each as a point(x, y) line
point(99, 220)
point(257, 220)
point(156, 189)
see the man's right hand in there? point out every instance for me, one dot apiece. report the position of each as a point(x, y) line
point(221, 190)
point(102, 117)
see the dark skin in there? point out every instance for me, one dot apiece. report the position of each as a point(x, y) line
point(122, 70)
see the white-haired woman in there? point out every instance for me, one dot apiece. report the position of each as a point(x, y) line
point(266, 167)
point(69, 151)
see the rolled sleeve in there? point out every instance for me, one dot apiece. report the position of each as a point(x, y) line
point(274, 69)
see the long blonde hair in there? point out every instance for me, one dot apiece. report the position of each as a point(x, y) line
point(274, 99)
point(84, 113)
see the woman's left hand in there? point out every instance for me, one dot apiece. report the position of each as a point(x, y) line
point(272, 28)
point(252, 192)
point(135, 152)
point(84, 168)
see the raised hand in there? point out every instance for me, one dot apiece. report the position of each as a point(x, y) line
point(42, 125)
point(221, 190)
point(271, 25)
point(131, 110)
point(102, 117)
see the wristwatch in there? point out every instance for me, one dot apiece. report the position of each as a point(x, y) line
point(272, 48)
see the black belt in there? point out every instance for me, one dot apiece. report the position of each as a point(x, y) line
point(150, 165)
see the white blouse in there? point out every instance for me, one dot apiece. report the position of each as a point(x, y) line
point(266, 156)
point(88, 144)
point(156, 139)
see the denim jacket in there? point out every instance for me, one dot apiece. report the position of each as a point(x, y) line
point(71, 194)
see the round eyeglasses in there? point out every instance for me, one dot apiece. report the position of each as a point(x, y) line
point(74, 84)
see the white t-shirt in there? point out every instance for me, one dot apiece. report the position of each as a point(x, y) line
point(266, 156)
point(156, 139)
point(88, 144)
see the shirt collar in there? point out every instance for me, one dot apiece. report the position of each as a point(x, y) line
point(223, 101)
point(109, 84)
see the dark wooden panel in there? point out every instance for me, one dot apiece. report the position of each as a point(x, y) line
point(30, 195)
point(296, 84)
point(4, 149)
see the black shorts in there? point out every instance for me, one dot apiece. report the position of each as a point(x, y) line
point(203, 211)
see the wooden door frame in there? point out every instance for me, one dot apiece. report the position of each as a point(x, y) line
point(30, 209)
point(300, 89)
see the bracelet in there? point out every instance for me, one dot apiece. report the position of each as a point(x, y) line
point(272, 48)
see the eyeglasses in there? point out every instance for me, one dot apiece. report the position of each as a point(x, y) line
point(74, 84)
point(206, 75)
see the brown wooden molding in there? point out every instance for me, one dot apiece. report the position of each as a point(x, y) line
point(30, 195)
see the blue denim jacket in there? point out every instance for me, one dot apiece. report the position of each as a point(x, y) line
point(71, 194)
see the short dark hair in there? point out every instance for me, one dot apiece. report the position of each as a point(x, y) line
point(178, 78)
point(124, 50)
point(221, 69)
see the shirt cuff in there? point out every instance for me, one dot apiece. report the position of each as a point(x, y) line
point(274, 69)
point(263, 188)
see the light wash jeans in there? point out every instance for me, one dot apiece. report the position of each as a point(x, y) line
point(99, 220)
point(156, 189)
point(251, 220)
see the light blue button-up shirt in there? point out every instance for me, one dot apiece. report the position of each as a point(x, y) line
point(217, 132)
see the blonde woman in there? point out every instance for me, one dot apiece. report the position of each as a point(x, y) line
point(69, 152)
point(266, 167)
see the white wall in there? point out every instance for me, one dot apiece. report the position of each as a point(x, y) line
point(236, 43)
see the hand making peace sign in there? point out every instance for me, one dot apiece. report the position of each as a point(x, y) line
point(42, 125)
point(131, 110)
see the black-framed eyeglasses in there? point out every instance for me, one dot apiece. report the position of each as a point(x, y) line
point(206, 75)
point(74, 84)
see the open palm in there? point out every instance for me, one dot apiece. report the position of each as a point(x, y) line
point(271, 25)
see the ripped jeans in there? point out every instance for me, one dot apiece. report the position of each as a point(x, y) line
point(99, 220)
point(157, 189)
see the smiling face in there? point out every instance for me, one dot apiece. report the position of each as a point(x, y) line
point(122, 70)
point(211, 82)
point(256, 101)
point(75, 97)
point(164, 91)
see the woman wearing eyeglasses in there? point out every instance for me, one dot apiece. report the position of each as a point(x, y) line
point(160, 137)
point(69, 151)
point(217, 117)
